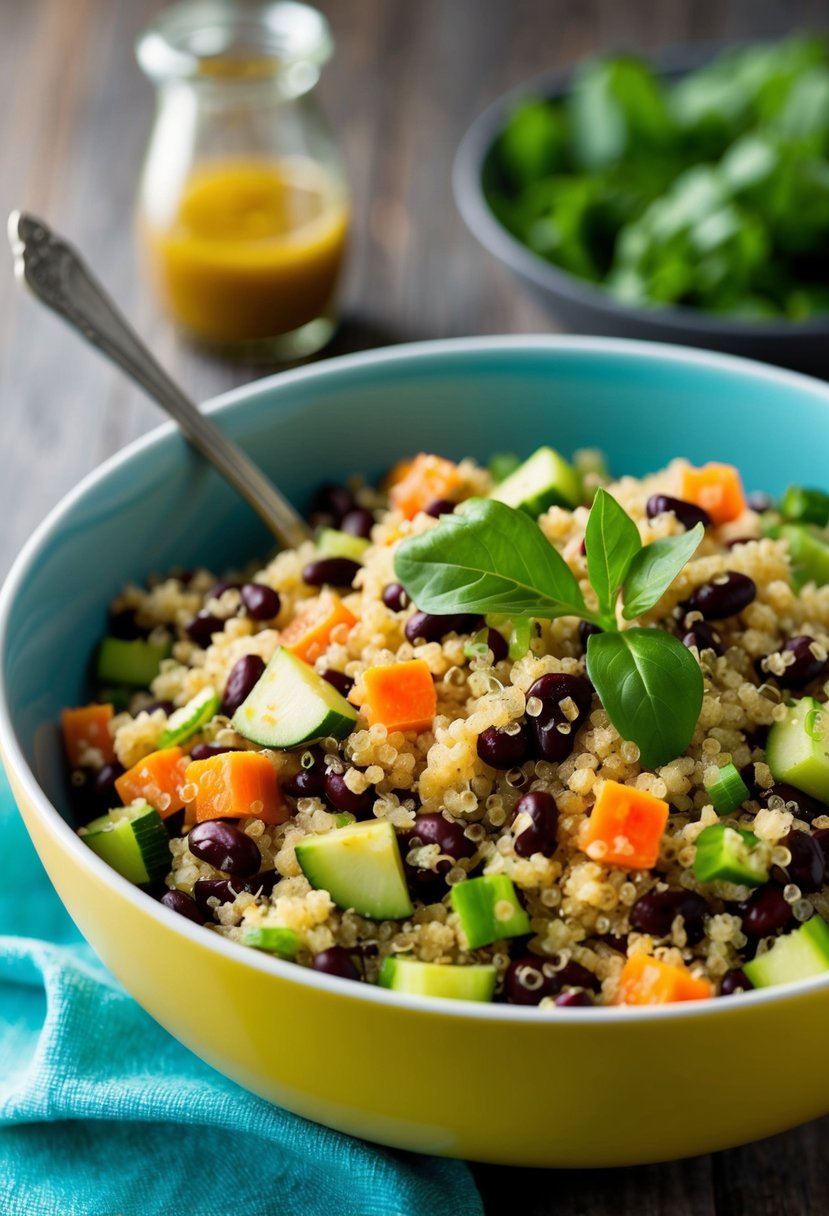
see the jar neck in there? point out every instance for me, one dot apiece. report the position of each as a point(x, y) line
point(239, 48)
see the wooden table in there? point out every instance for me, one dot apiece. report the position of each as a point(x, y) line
point(408, 77)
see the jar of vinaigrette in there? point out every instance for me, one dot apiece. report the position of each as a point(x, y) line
point(243, 207)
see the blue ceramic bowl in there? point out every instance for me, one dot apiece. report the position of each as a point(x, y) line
point(156, 505)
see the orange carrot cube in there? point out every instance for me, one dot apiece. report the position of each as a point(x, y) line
point(233, 785)
point(325, 620)
point(401, 695)
point(426, 479)
point(156, 779)
point(717, 488)
point(650, 981)
point(85, 729)
point(625, 828)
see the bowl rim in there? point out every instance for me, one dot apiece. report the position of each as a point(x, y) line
point(467, 166)
point(444, 349)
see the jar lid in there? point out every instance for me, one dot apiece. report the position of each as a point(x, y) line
point(231, 40)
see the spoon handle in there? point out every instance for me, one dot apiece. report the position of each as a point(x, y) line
point(61, 280)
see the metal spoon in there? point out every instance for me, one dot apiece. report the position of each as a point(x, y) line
point(61, 280)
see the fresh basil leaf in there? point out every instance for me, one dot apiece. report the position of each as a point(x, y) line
point(654, 569)
point(651, 688)
point(488, 558)
point(612, 542)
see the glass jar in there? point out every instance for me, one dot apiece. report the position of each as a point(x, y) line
point(243, 207)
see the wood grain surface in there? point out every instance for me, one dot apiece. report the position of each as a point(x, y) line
point(407, 79)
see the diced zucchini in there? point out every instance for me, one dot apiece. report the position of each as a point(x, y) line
point(544, 480)
point(332, 543)
point(489, 910)
point(360, 867)
point(184, 722)
point(728, 791)
point(729, 854)
point(807, 506)
point(133, 840)
point(477, 645)
point(135, 663)
point(473, 983)
point(291, 705)
point(275, 939)
point(794, 956)
point(797, 749)
point(809, 555)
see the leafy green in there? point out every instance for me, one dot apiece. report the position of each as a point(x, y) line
point(488, 558)
point(612, 542)
point(654, 568)
point(710, 192)
point(651, 688)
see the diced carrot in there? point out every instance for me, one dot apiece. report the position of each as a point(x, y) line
point(425, 480)
point(625, 827)
point(401, 695)
point(234, 785)
point(650, 981)
point(312, 631)
point(87, 728)
point(717, 488)
point(157, 779)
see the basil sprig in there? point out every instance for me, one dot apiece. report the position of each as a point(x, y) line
point(491, 558)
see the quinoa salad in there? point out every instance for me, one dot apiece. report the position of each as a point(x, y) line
point(518, 733)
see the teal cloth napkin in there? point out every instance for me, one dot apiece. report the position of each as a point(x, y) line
point(103, 1112)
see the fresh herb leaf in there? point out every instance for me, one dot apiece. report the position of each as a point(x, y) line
point(488, 558)
point(612, 542)
point(651, 688)
point(654, 568)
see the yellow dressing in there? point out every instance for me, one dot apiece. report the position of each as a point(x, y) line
point(254, 249)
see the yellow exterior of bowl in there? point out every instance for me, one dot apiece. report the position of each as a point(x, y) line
point(608, 1088)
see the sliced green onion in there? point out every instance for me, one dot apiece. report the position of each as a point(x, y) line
point(184, 722)
point(477, 646)
point(521, 636)
point(809, 555)
point(344, 819)
point(806, 506)
point(489, 910)
point(727, 791)
point(275, 939)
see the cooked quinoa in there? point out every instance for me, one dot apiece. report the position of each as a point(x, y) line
point(581, 909)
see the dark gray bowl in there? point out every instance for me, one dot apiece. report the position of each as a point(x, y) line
point(582, 306)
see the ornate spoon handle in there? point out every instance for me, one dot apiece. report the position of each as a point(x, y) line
point(61, 280)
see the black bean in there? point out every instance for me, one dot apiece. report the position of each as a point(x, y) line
point(202, 627)
point(336, 961)
point(498, 644)
point(575, 998)
point(423, 626)
point(395, 597)
point(358, 522)
point(554, 731)
point(447, 834)
point(735, 981)
point(226, 890)
point(704, 637)
point(225, 847)
point(244, 674)
point(344, 799)
point(330, 571)
point(123, 625)
point(500, 748)
point(334, 500)
point(688, 513)
point(541, 834)
point(262, 603)
point(441, 506)
point(655, 912)
point(104, 784)
point(805, 667)
point(808, 808)
point(179, 902)
point(307, 783)
point(529, 979)
point(218, 589)
point(759, 501)
point(167, 706)
point(586, 631)
point(204, 751)
point(338, 680)
point(807, 867)
point(724, 596)
point(766, 912)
